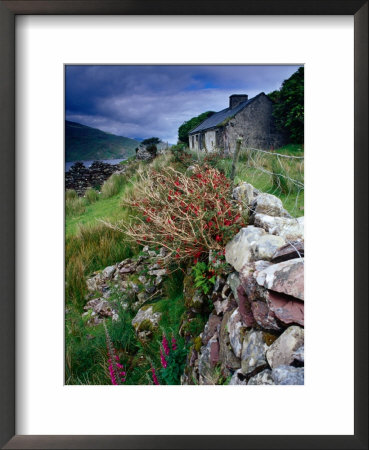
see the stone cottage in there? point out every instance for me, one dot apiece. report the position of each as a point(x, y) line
point(249, 119)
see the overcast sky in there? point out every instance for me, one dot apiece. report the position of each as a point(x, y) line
point(145, 101)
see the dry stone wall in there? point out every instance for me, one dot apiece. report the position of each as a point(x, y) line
point(255, 333)
point(80, 177)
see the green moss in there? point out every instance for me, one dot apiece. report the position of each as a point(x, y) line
point(189, 288)
point(269, 338)
point(197, 344)
point(226, 121)
point(193, 326)
point(145, 325)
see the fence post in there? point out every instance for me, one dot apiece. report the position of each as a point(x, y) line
point(235, 157)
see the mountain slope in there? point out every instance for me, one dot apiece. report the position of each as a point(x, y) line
point(86, 143)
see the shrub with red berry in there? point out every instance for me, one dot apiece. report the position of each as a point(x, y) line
point(189, 215)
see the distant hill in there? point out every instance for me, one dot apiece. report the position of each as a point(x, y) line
point(86, 143)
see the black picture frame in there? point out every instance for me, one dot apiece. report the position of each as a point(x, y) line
point(8, 12)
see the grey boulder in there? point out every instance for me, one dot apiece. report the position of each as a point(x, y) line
point(245, 193)
point(287, 375)
point(262, 378)
point(253, 352)
point(288, 228)
point(239, 251)
point(269, 204)
point(281, 352)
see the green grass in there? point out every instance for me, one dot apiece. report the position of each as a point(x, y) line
point(291, 149)
point(90, 245)
point(248, 169)
point(113, 186)
point(108, 209)
point(93, 248)
point(86, 354)
point(91, 196)
point(74, 206)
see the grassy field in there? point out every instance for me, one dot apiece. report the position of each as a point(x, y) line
point(285, 178)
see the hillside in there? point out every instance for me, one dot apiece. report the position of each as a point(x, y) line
point(86, 143)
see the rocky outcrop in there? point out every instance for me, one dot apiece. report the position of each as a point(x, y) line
point(143, 153)
point(79, 177)
point(145, 321)
point(138, 280)
point(97, 309)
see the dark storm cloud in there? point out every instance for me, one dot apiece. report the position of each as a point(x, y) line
point(145, 101)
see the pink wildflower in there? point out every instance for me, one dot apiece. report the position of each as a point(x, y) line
point(174, 344)
point(154, 378)
point(162, 359)
point(165, 345)
point(116, 372)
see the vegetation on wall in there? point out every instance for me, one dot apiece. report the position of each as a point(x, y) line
point(188, 215)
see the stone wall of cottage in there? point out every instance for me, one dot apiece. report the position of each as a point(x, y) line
point(255, 125)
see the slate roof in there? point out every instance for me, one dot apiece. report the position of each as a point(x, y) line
point(217, 118)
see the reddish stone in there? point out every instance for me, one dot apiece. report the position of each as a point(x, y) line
point(287, 309)
point(286, 277)
point(214, 353)
point(211, 328)
point(264, 316)
point(244, 308)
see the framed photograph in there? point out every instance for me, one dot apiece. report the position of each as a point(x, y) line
point(154, 162)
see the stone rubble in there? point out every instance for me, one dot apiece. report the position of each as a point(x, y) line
point(136, 279)
point(79, 177)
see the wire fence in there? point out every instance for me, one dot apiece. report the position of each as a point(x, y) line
point(275, 173)
point(269, 171)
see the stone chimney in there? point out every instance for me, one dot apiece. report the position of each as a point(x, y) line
point(236, 99)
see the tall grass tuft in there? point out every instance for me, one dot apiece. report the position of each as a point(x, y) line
point(74, 206)
point(70, 194)
point(91, 196)
point(112, 185)
point(279, 180)
point(93, 248)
